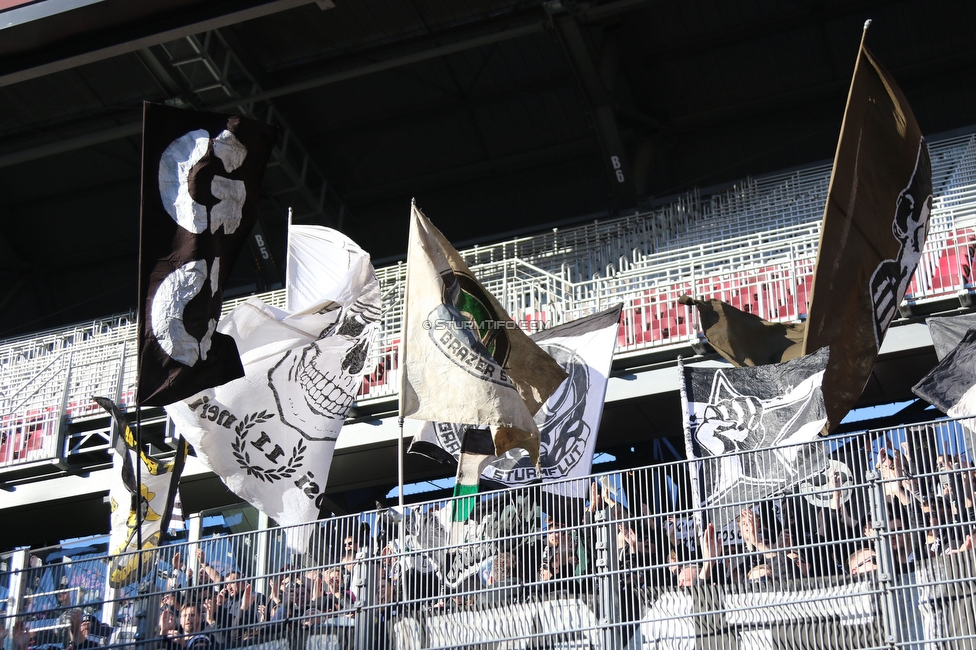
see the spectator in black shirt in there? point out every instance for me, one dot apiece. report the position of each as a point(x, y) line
point(193, 634)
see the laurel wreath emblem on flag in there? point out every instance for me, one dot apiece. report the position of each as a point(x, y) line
point(269, 474)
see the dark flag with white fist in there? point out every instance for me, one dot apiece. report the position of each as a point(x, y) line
point(746, 426)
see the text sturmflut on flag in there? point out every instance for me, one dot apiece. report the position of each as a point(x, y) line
point(568, 422)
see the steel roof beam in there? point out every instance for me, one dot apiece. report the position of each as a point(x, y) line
point(598, 103)
point(109, 135)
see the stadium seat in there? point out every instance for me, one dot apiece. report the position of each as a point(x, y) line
point(639, 328)
point(804, 288)
point(948, 274)
point(966, 240)
point(623, 329)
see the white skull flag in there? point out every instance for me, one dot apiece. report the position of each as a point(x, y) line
point(201, 174)
point(748, 427)
point(270, 435)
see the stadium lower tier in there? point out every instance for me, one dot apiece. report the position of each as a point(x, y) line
point(873, 550)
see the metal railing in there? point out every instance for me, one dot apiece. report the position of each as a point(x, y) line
point(753, 245)
point(875, 551)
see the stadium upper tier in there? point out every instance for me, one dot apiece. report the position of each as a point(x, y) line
point(753, 245)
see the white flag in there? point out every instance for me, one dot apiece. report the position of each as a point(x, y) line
point(464, 358)
point(568, 422)
point(270, 435)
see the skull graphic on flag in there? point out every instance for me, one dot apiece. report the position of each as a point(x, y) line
point(270, 435)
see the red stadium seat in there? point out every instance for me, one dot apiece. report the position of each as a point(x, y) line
point(622, 332)
point(804, 288)
point(948, 274)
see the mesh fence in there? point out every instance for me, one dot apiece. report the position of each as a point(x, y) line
point(875, 550)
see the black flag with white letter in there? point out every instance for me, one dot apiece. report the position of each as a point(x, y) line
point(201, 174)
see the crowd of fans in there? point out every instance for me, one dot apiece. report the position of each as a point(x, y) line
point(228, 610)
point(910, 512)
point(925, 512)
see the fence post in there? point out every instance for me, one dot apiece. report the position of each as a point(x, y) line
point(883, 552)
point(262, 553)
point(363, 583)
point(194, 531)
point(606, 565)
point(18, 564)
point(110, 604)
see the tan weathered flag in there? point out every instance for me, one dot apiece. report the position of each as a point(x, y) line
point(744, 339)
point(464, 359)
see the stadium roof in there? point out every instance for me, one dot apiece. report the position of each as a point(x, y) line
point(497, 115)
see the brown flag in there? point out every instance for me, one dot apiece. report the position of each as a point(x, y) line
point(874, 227)
point(744, 339)
point(201, 175)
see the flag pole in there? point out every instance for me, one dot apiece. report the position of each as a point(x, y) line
point(401, 357)
point(401, 365)
point(139, 494)
point(139, 301)
point(689, 451)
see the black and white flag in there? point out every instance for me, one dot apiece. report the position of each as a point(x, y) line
point(201, 179)
point(569, 420)
point(746, 426)
point(141, 509)
point(271, 434)
point(875, 223)
point(948, 331)
point(951, 385)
